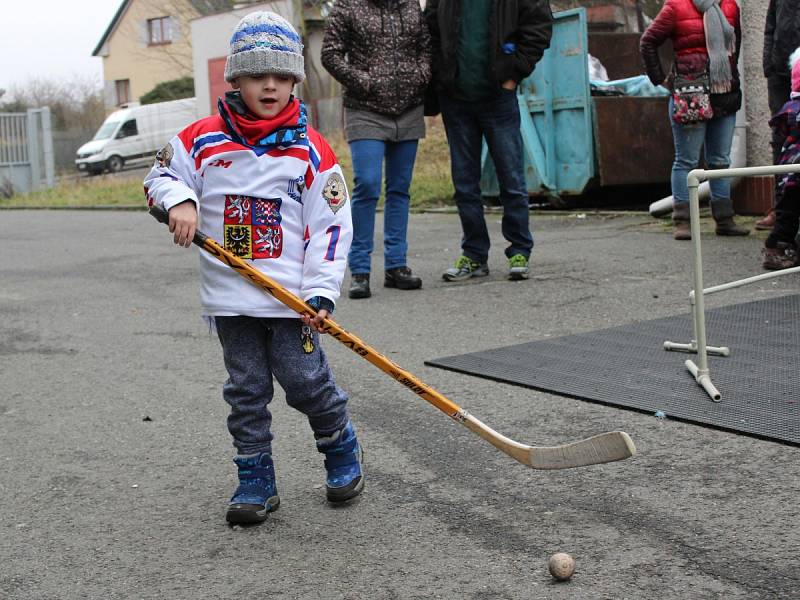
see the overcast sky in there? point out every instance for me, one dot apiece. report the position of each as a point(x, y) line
point(51, 39)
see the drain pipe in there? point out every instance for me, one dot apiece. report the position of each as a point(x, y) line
point(663, 207)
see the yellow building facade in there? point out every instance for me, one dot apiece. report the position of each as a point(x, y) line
point(146, 43)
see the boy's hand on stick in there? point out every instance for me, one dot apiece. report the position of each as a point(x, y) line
point(315, 322)
point(183, 223)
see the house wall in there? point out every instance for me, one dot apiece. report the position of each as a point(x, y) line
point(126, 54)
point(212, 35)
point(321, 92)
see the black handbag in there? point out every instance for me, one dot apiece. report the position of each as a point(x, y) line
point(691, 98)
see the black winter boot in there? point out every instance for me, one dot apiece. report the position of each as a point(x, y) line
point(402, 279)
point(680, 218)
point(359, 286)
point(722, 211)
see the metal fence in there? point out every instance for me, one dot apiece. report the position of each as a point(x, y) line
point(65, 147)
point(26, 151)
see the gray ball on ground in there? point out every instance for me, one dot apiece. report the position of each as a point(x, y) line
point(561, 566)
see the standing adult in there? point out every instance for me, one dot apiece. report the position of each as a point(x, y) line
point(706, 38)
point(379, 50)
point(781, 37)
point(481, 50)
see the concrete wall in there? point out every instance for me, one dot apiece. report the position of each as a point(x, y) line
point(127, 54)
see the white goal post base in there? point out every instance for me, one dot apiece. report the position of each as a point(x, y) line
point(691, 347)
point(698, 345)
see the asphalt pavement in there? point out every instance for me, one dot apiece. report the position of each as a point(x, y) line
point(116, 462)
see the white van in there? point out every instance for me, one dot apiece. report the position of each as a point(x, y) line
point(134, 134)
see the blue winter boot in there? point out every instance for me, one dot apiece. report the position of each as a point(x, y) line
point(343, 457)
point(257, 494)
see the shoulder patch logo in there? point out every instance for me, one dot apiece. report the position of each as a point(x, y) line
point(164, 156)
point(335, 192)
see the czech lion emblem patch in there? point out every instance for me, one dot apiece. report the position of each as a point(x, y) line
point(164, 156)
point(335, 192)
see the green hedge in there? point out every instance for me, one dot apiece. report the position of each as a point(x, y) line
point(170, 90)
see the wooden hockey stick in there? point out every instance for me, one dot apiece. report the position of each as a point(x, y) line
point(603, 448)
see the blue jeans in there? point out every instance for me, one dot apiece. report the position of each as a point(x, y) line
point(496, 119)
point(255, 350)
point(368, 158)
point(717, 136)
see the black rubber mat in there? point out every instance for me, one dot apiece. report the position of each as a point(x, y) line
point(627, 366)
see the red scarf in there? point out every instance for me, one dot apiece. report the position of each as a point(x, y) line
point(253, 129)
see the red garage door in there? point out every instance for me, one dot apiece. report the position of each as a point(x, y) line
point(217, 86)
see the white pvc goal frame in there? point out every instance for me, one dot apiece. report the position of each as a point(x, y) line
point(698, 344)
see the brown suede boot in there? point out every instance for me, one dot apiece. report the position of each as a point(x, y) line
point(722, 211)
point(680, 218)
point(767, 222)
point(729, 227)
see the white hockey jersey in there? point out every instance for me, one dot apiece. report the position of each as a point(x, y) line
point(271, 192)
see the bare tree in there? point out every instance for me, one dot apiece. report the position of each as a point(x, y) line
point(76, 103)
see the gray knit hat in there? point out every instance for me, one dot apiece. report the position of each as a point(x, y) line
point(264, 42)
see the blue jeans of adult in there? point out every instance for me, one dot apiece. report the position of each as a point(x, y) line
point(497, 120)
point(368, 158)
point(716, 135)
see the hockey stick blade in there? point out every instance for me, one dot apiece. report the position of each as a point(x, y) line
point(603, 448)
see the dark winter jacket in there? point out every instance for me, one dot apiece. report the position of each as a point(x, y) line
point(520, 33)
point(781, 36)
point(681, 22)
point(379, 50)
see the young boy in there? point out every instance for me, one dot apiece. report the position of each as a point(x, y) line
point(269, 187)
point(780, 248)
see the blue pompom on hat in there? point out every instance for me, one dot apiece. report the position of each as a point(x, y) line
point(264, 42)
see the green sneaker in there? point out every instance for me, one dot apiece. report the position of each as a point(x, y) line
point(517, 267)
point(465, 269)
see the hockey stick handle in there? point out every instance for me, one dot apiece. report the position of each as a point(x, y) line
point(162, 216)
point(329, 326)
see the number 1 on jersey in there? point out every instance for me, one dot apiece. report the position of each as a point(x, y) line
point(333, 231)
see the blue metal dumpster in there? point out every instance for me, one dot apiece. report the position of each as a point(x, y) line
point(556, 120)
